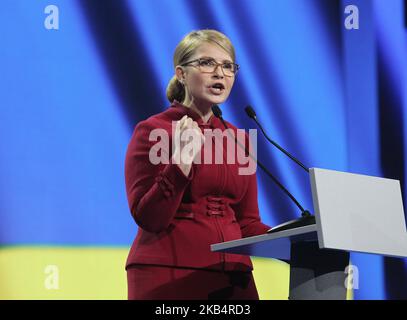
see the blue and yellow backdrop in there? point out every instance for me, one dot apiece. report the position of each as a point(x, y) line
point(71, 95)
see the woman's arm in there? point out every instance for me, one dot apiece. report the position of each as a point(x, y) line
point(154, 192)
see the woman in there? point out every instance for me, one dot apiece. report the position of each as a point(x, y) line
point(180, 206)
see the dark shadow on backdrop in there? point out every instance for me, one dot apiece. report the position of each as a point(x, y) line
point(125, 58)
point(331, 13)
point(392, 164)
point(405, 14)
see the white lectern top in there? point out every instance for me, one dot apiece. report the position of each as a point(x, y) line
point(360, 213)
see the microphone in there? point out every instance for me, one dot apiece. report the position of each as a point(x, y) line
point(252, 114)
point(306, 218)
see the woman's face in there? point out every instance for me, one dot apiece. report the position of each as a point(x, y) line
point(206, 89)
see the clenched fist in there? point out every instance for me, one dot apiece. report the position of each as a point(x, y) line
point(188, 140)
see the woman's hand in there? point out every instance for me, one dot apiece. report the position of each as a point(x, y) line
point(186, 149)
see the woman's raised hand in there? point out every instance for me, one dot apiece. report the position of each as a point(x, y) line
point(188, 143)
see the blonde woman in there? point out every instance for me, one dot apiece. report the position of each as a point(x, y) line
point(182, 207)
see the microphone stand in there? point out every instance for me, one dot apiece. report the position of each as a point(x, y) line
point(306, 217)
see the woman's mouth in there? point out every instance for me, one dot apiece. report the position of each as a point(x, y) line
point(217, 88)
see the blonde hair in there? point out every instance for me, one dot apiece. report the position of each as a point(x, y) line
point(186, 48)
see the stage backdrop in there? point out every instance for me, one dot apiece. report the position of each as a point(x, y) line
point(77, 76)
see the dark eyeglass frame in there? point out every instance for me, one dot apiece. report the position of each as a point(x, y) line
point(215, 67)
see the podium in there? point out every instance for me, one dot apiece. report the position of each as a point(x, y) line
point(353, 213)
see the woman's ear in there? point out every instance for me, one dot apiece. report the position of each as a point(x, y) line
point(180, 74)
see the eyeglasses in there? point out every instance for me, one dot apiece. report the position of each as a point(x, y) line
point(208, 65)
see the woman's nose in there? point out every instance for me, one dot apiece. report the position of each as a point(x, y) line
point(218, 72)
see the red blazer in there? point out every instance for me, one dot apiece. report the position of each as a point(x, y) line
point(179, 217)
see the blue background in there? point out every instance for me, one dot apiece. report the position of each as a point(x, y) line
point(70, 98)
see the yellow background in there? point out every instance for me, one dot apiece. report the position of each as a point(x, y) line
point(98, 273)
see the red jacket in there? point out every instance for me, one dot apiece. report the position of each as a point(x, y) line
point(179, 217)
